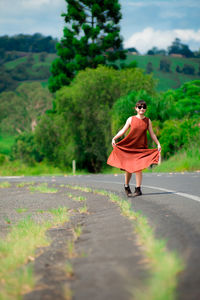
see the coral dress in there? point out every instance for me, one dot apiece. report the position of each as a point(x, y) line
point(131, 154)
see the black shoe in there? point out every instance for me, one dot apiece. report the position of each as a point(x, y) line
point(128, 191)
point(137, 192)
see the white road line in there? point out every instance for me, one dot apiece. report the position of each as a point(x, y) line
point(189, 196)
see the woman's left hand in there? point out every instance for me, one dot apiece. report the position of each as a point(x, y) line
point(159, 147)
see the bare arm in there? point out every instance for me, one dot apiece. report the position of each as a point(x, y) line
point(153, 136)
point(122, 131)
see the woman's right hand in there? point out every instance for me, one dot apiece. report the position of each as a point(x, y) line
point(113, 143)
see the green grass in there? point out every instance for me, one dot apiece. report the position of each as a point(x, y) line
point(166, 80)
point(184, 160)
point(4, 184)
point(17, 168)
point(6, 143)
point(18, 249)
point(23, 184)
point(21, 210)
point(12, 64)
point(83, 209)
point(164, 265)
point(42, 188)
point(60, 215)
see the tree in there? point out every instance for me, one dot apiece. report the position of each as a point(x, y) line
point(149, 68)
point(178, 48)
point(178, 69)
point(188, 69)
point(20, 110)
point(90, 38)
point(156, 51)
point(165, 65)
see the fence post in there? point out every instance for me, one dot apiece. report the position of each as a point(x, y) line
point(74, 167)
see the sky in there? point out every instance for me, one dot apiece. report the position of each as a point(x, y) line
point(145, 24)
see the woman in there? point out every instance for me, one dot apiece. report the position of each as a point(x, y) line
point(131, 154)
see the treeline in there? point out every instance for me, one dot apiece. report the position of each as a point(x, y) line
point(28, 43)
point(176, 49)
point(88, 112)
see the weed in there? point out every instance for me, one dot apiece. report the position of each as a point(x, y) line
point(21, 210)
point(16, 250)
point(60, 214)
point(5, 184)
point(69, 270)
point(42, 188)
point(70, 195)
point(68, 294)
point(79, 198)
point(77, 232)
point(83, 209)
point(8, 221)
point(70, 249)
point(22, 184)
point(41, 211)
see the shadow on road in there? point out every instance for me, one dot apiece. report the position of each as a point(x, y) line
point(163, 193)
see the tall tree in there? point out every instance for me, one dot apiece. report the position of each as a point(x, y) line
point(178, 48)
point(91, 37)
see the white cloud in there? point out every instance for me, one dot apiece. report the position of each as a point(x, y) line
point(149, 37)
point(34, 3)
point(166, 4)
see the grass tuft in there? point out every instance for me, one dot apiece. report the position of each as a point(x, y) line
point(5, 184)
point(60, 215)
point(16, 250)
point(42, 188)
point(83, 209)
point(22, 184)
point(21, 210)
point(77, 232)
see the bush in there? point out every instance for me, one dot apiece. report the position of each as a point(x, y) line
point(2, 159)
point(26, 149)
point(178, 134)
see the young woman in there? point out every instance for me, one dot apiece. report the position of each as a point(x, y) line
point(131, 154)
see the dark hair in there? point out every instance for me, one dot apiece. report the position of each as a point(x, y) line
point(140, 102)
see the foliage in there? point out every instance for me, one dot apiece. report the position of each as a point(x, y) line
point(149, 68)
point(20, 110)
point(178, 48)
point(178, 134)
point(26, 69)
point(28, 43)
point(165, 65)
point(80, 127)
point(25, 149)
point(188, 69)
point(90, 38)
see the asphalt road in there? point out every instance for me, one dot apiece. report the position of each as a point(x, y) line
point(171, 203)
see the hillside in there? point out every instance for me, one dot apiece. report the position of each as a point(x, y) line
point(27, 67)
point(168, 80)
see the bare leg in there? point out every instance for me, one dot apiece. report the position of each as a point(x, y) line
point(138, 178)
point(127, 177)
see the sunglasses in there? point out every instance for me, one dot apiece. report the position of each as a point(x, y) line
point(142, 106)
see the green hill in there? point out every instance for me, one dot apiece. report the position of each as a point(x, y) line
point(167, 80)
point(36, 67)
